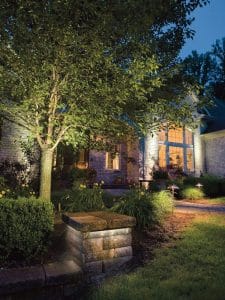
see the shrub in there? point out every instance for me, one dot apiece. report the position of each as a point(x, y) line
point(192, 193)
point(109, 199)
point(160, 174)
point(212, 185)
point(162, 205)
point(147, 208)
point(25, 228)
point(85, 199)
point(63, 197)
point(82, 175)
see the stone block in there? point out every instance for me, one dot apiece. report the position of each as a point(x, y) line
point(115, 263)
point(75, 253)
point(105, 233)
point(117, 241)
point(94, 256)
point(94, 267)
point(124, 251)
point(93, 245)
point(62, 272)
point(100, 220)
point(84, 222)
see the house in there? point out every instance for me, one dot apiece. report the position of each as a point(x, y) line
point(194, 151)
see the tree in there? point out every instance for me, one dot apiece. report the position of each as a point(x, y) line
point(218, 51)
point(73, 70)
point(208, 70)
point(201, 68)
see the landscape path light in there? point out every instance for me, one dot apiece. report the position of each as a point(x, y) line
point(199, 185)
point(174, 188)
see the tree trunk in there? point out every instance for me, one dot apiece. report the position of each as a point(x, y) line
point(46, 174)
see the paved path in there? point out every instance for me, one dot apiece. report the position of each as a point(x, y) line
point(182, 206)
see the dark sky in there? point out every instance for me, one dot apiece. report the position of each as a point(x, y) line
point(209, 25)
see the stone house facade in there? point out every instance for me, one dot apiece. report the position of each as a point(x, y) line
point(194, 151)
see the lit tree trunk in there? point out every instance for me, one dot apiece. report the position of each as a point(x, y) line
point(46, 174)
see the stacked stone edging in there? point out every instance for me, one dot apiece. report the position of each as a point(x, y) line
point(99, 241)
point(17, 280)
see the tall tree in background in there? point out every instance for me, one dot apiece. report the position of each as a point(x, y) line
point(208, 70)
point(218, 51)
point(201, 68)
point(73, 70)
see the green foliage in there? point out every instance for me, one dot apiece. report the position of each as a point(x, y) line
point(213, 186)
point(70, 69)
point(25, 225)
point(85, 199)
point(147, 208)
point(62, 197)
point(160, 174)
point(83, 175)
point(192, 193)
point(109, 199)
point(162, 205)
point(193, 268)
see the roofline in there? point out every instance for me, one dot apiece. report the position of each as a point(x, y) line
point(214, 134)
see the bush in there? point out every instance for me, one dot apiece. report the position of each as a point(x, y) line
point(162, 205)
point(192, 193)
point(148, 209)
point(160, 174)
point(83, 175)
point(85, 199)
point(212, 185)
point(25, 228)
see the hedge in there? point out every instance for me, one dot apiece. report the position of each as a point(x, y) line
point(25, 228)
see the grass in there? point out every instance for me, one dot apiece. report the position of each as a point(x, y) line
point(193, 268)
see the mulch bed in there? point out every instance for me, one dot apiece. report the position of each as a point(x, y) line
point(145, 242)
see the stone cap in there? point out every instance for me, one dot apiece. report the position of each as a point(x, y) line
point(98, 220)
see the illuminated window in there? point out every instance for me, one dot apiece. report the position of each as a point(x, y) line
point(162, 136)
point(82, 161)
point(176, 155)
point(190, 166)
point(113, 159)
point(175, 135)
point(162, 156)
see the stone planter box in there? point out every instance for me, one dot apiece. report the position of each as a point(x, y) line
point(99, 241)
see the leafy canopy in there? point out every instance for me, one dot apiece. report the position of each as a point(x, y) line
point(73, 70)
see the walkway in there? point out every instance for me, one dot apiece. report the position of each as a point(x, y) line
point(182, 206)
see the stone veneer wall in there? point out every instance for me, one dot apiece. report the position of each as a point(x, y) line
point(97, 161)
point(215, 153)
point(10, 147)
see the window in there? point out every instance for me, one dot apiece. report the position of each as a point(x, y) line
point(82, 161)
point(176, 157)
point(176, 149)
point(190, 165)
point(113, 159)
point(162, 156)
point(175, 135)
point(162, 136)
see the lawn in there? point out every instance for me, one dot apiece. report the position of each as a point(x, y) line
point(193, 268)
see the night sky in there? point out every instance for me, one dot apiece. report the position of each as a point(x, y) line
point(209, 25)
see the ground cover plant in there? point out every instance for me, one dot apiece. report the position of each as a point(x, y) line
point(192, 269)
